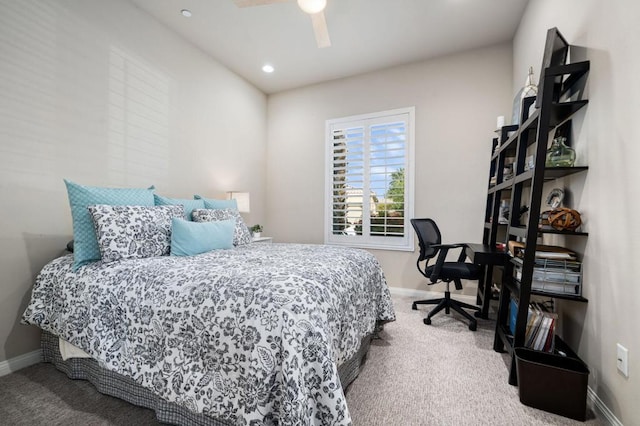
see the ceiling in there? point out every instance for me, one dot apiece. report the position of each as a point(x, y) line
point(366, 35)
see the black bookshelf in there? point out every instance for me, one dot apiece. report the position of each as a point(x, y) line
point(517, 142)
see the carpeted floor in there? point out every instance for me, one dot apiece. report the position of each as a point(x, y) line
point(439, 374)
point(415, 374)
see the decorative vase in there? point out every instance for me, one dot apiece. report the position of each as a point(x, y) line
point(256, 234)
point(528, 90)
point(560, 155)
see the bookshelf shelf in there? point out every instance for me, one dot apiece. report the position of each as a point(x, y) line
point(559, 296)
point(513, 286)
point(551, 173)
point(561, 89)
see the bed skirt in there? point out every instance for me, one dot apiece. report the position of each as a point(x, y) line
point(122, 387)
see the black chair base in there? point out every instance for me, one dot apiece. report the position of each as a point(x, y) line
point(447, 303)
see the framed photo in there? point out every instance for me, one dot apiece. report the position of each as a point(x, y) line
point(556, 50)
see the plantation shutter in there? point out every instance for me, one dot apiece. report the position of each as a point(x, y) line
point(370, 181)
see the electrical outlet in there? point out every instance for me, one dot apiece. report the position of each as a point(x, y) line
point(623, 360)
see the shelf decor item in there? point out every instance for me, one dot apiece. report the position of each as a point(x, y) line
point(503, 216)
point(560, 219)
point(560, 155)
point(555, 197)
point(529, 90)
point(256, 230)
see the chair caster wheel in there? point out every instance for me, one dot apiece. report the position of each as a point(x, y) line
point(414, 307)
point(473, 326)
point(427, 321)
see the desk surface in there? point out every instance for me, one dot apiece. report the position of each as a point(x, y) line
point(485, 254)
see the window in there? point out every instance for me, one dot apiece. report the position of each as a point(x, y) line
point(369, 180)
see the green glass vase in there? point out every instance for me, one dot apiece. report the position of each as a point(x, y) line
point(560, 155)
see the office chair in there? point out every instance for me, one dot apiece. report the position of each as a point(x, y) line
point(430, 246)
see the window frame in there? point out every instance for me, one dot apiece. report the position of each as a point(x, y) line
point(405, 243)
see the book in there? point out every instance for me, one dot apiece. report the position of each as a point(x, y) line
point(540, 329)
point(550, 343)
point(541, 337)
point(535, 327)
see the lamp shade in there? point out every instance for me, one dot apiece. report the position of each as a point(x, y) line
point(242, 198)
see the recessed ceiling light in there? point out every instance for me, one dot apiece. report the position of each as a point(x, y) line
point(268, 68)
point(186, 13)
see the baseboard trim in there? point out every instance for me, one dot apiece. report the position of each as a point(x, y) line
point(19, 362)
point(601, 408)
point(424, 294)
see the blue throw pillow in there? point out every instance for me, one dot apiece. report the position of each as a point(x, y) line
point(191, 238)
point(241, 235)
point(85, 243)
point(189, 205)
point(210, 203)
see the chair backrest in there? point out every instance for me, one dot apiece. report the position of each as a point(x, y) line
point(428, 235)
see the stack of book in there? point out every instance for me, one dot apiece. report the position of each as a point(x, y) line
point(541, 327)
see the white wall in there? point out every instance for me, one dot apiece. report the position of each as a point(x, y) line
point(100, 93)
point(457, 100)
point(607, 137)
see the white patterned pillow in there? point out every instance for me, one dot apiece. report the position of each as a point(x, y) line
point(127, 232)
point(241, 235)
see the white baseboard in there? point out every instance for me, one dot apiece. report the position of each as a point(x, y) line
point(601, 409)
point(424, 294)
point(19, 362)
point(598, 406)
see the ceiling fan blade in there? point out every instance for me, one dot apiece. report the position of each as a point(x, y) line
point(249, 3)
point(320, 29)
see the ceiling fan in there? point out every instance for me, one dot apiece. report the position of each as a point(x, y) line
point(315, 9)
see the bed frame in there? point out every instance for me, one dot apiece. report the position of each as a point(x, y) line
point(122, 387)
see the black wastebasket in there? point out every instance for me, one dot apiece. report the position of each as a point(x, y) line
point(553, 383)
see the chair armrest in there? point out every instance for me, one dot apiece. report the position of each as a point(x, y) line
point(448, 246)
point(463, 254)
point(442, 255)
point(444, 250)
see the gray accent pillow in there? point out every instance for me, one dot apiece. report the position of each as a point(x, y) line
point(133, 232)
point(241, 235)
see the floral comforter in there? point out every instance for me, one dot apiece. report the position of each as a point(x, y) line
point(251, 335)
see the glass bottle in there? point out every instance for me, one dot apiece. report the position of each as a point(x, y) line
point(560, 155)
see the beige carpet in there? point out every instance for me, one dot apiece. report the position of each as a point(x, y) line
point(415, 374)
point(439, 374)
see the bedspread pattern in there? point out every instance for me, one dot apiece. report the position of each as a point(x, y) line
point(251, 335)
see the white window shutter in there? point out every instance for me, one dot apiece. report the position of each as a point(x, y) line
point(370, 180)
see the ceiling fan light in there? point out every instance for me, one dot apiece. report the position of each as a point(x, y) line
point(312, 6)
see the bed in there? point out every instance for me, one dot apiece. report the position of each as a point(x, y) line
point(257, 334)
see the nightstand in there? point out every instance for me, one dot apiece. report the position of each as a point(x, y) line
point(266, 240)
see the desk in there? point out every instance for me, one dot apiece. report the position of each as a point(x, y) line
point(488, 257)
